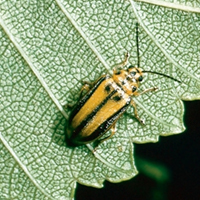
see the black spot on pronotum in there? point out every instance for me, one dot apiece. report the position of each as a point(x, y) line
point(117, 98)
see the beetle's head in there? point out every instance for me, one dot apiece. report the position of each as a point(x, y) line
point(128, 79)
point(135, 73)
point(134, 76)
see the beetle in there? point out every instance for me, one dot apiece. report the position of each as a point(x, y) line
point(104, 103)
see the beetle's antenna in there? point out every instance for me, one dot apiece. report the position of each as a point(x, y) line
point(138, 57)
point(162, 75)
point(137, 45)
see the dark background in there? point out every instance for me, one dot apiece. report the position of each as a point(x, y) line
point(179, 154)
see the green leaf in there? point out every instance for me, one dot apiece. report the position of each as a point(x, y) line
point(47, 48)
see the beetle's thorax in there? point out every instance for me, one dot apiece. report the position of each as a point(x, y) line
point(128, 79)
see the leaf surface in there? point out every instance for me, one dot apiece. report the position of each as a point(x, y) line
point(47, 48)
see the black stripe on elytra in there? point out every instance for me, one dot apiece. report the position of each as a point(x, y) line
point(80, 104)
point(106, 125)
point(92, 114)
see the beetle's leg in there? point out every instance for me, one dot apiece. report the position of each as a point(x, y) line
point(113, 131)
point(122, 64)
point(145, 91)
point(85, 88)
point(148, 90)
point(89, 84)
point(135, 112)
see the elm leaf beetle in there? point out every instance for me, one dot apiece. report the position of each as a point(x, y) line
point(105, 101)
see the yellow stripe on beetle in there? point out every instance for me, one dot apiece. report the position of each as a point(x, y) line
point(103, 104)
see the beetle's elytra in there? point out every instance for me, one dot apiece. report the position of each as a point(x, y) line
point(104, 102)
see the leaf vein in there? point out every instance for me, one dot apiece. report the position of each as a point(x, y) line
point(33, 68)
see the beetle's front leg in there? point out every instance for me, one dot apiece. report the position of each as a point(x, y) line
point(136, 93)
point(122, 64)
point(148, 90)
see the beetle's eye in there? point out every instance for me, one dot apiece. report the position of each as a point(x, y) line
point(140, 78)
point(131, 66)
point(133, 73)
point(134, 89)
